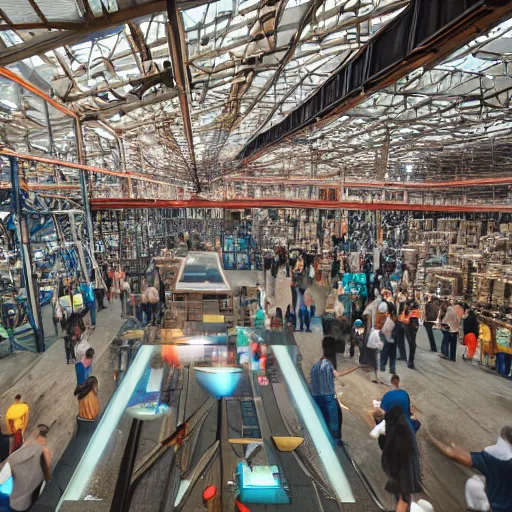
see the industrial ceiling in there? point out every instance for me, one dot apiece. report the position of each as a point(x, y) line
point(192, 91)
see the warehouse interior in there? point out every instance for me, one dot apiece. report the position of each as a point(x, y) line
point(274, 170)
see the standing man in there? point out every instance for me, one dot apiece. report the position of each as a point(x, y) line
point(451, 326)
point(411, 330)
point(431, 314)
point(30, 465)
point(389, 349)
point(153, 300)
point(401, 304)
point(89, 299)
point(125, 295)
point(323, 392)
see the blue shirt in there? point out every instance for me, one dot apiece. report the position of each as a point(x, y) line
point(397, 397)
point(498, 475)
point(322, 378)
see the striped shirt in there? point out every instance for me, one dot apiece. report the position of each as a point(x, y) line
point(322, 378)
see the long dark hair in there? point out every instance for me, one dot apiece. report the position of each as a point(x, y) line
point(279, 313)
point(89, 384)
point(400, 460)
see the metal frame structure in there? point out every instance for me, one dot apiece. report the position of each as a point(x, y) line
point(23, 239)
point(115, 204)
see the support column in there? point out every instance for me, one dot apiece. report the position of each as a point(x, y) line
point(79, 247)
point(23, 236)
point(84, 189)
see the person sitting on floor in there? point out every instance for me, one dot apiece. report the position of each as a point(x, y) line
point(396, 397)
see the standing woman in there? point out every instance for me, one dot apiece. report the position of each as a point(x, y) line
point(471, 333)
point(400, 305)
point(411, 330)
point(277, 320)
point(108, 283)
point(400, 459)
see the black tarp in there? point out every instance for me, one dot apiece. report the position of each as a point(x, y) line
point(404, 35)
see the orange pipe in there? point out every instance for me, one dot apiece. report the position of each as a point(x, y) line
point(83, 167)
point(375, 184)
point(46, 186)
point(114, 204)
point(6, 73)
point(53, 187)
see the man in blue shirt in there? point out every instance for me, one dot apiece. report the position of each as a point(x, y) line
point(394, 397)
point(324, 394)
point(493, 492)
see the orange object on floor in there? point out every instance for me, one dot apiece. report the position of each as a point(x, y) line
point(241, 507)
point(209, 493)
point(471, 343)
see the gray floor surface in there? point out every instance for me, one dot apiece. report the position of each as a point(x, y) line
point(456, 402)
point(49, 384)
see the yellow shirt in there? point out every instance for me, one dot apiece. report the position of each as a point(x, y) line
point(18, 414)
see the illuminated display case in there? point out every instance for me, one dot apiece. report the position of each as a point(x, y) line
point(194, 417)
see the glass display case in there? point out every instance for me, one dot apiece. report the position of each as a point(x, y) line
point(226, 417)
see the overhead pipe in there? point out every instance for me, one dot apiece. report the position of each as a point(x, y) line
point(88, 168)
point(374, 184)
point(236, 204)
point(13, 77)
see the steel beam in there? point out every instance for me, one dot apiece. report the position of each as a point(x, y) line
point(7, 73)
point(177, 48)
point(52, 40)
point(85, 197)
point(115, 204)
point(401, 185)
point(88, 168)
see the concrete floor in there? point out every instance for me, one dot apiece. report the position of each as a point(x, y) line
point(457, 402)
point(47, 383)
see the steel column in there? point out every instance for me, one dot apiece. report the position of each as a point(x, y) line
point(84, 189)
point(23, 236)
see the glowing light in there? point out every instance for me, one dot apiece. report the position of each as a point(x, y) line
point(108, 424)
point(408, 168)
point(320, 437)
point(218, 382)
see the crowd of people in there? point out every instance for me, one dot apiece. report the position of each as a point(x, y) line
point(381, 332)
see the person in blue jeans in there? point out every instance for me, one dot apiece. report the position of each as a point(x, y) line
point(304, 318)
point(323, 393)
point(89, 299)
